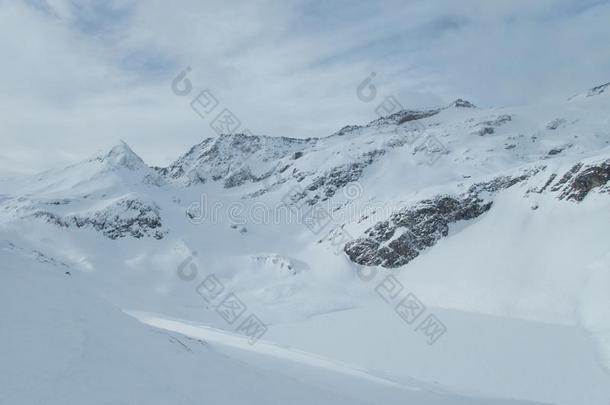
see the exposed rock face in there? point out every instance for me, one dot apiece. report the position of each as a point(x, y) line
point(242, 175)
point(238, 159)
point(598, 90)
point(558, 150)
point(566, 177)
point(486, 130)
point(401, 238)
point(489, 127)
point(347, 129)
point(128, 217)
point(396, 118)
point(403, 116)
point(546, 185)
point(235, 159)
point(460, 103)
point(325, 186)
point(586, 180)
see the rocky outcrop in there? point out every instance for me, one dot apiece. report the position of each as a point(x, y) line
point(489, 127)
point(347, 130)
point(558, 150)
point(408, 232)
point(325, 186)
point(235, 159)
point(403, 116)
point(597, 90)
point(461, 103)
point(566, 177)
point(581, 182)
point(127, 217)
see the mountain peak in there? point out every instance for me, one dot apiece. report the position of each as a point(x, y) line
point(461, 103)
point(121, 155)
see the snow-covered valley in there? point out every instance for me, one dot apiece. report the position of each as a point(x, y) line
point(456, 255)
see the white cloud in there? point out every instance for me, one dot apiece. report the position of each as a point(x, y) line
point(78, 75)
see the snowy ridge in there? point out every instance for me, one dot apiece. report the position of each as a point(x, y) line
point(489, 211)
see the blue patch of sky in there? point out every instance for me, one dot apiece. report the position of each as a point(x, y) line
point(404, 42)
point(149, 64)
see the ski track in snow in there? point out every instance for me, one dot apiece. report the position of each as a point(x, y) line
point(225, 338)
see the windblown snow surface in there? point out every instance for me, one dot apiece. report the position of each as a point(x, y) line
point(495, 220)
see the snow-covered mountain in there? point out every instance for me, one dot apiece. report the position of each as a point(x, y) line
point(497, 212)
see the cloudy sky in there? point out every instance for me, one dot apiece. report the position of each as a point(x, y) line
point(78, 75)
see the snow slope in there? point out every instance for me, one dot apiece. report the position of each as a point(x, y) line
point(495, 219)
point(62, 345)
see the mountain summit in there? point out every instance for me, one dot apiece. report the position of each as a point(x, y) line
point(121, 155)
